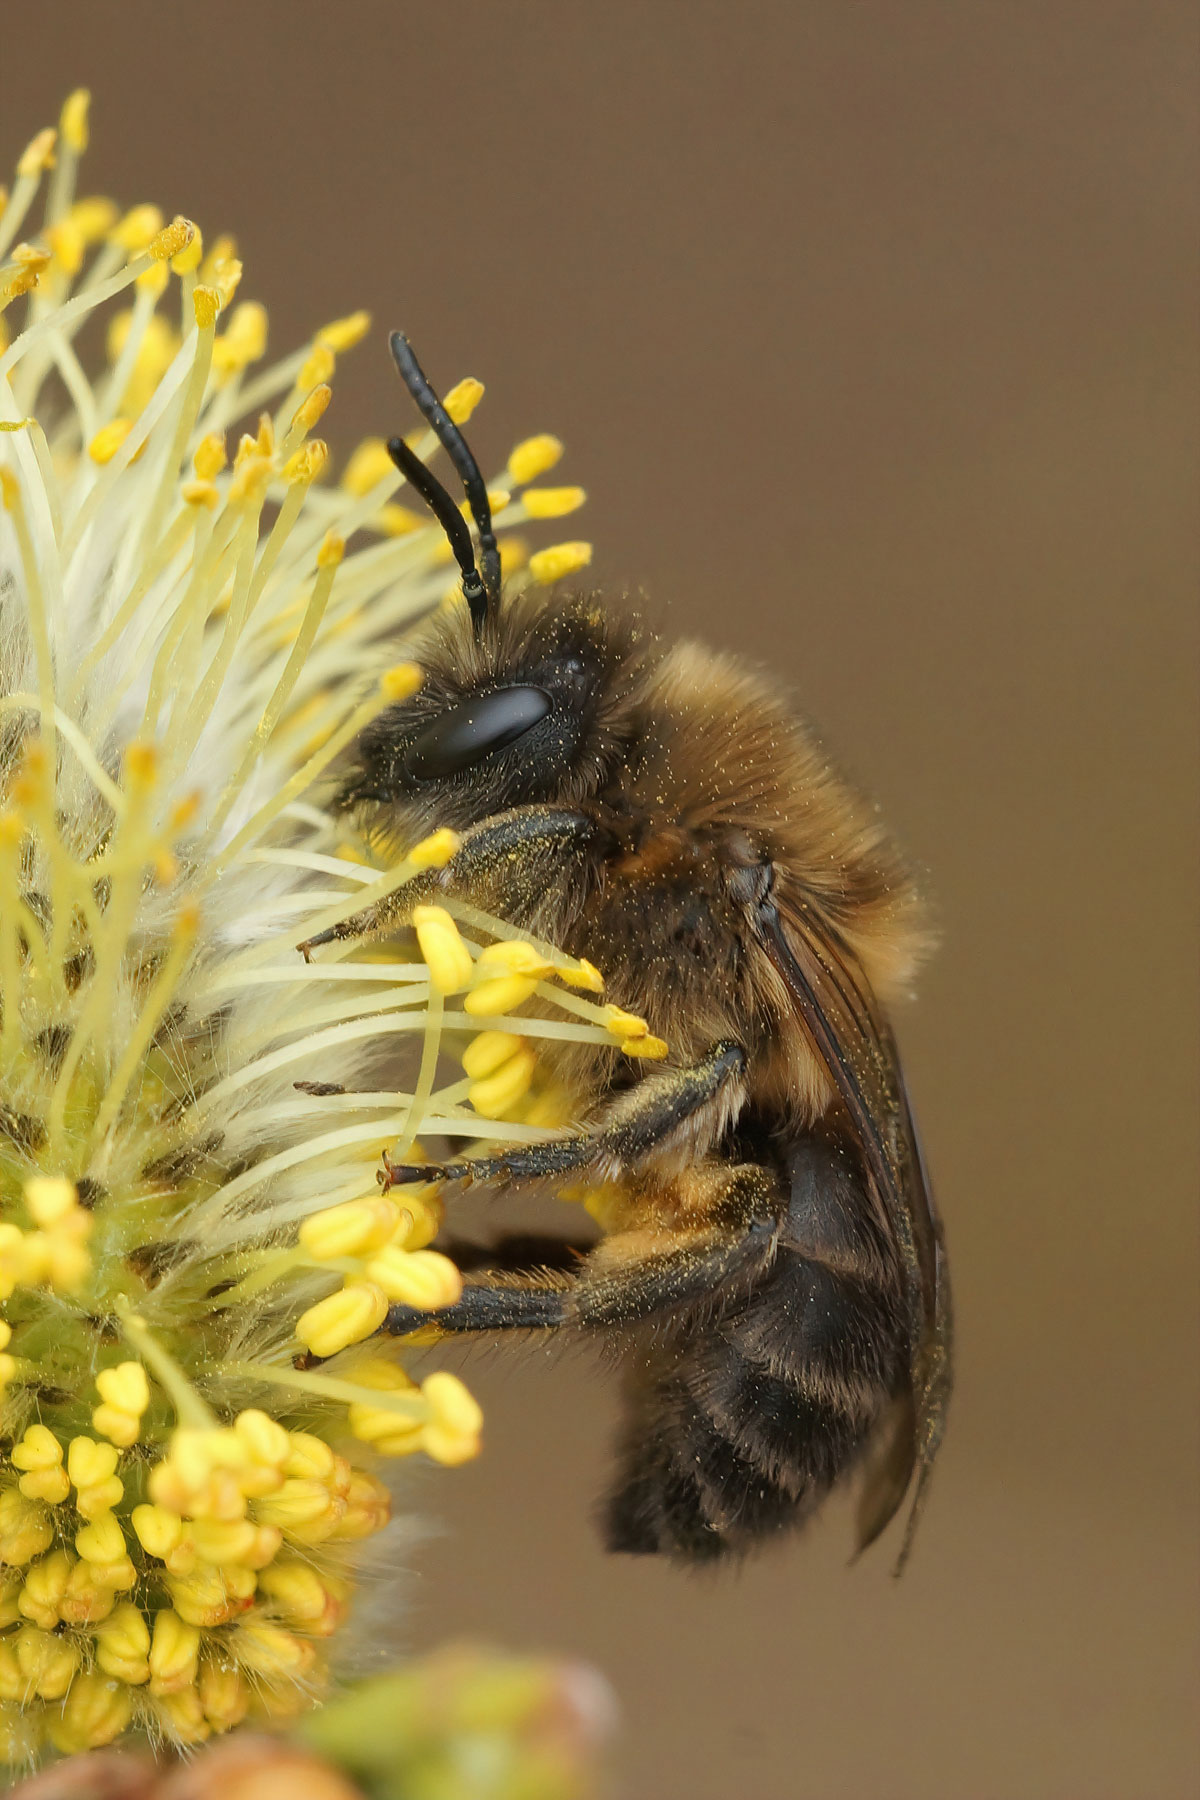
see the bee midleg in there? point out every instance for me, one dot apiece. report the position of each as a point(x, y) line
point(710, 1228)
point(516, 847)
point(629, 1129)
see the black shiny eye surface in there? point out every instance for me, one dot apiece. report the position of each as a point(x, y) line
point(474, 729)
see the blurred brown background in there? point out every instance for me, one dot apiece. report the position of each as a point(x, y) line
point(870, 330)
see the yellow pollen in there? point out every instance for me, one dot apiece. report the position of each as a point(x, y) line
point(401, 681)
point(206, 304)
point(489, 999)
point(463, 398)
point(172, 239)
point(442, 949)
point(533, 457)
point(73, 120)
point(187, 260)
point(38, 154)
point(559, 561)
point(108, 440)
point(343, 334)
point(552, 503)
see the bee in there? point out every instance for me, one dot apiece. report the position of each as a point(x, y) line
point(772, 1272)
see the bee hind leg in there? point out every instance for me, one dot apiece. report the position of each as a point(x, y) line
point(669, 1103)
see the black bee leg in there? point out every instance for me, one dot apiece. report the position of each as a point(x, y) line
point(514, 1307)
point(505, 859)
point(697, 1103)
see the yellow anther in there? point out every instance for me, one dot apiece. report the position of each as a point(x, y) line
point(367, 1509)
point(73, 120)
point(533, 457)
point(206, 305)
point(251, 476)
point(38, 154)
point(50, 1198)
point(159, 1530)
point(552, 503)
point(312, 407)
point(650, 1049)
point(201, 493)
point(181, 1717)
point(211, 1596)
point(26, 1530)
point(94, 1713)
point(297, 1592)
point(463, 398)
point(125, 1386)
point(266, 1442)
point(187, 260)
point(227, 278)
point(224, 1695)
point(138, 228)
point(317, 367)
point(210, 457)
point(343, 334)
point(244, 339)
point(299, 1503)
point(401, 681)
point(172, 239)
point(40, 1455)
point(332, 550)
point(624, 1024)
point(558, 561)
point(488, 1051)
point(309, 1458)
point(140, 766)
point(436, 850)
point(68, 245)
point(307, 463)
point(342, 1319)
point(442, 949)
point(582, 975)
point(452, 1435)
point(92, 1467)
point(393, 520)
point(491, 998)
point(512, 956)
point(14, 283)
point(13, 1685)
point(102, 1542)
point(271, 1652)
point(93, 217)
point(495, 1096)
point(45, 1586)
point(386, 1433)
point(369, 465)
point(352, 1229)
point(174, 1653)
point(88, 1598)
point(108, 440)
point(222, 250)
point(47, 1662)
point(421, 1220)
point(424, 1279)
point(38, 1449)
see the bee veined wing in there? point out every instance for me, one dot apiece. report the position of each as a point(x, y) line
point(853, 1041)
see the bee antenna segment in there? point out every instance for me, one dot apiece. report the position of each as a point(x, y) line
point(481, 583)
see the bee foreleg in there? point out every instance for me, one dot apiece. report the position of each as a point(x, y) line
point(514, 847)
point(701, 1100)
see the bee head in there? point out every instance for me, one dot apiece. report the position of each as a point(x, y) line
point(530, 701)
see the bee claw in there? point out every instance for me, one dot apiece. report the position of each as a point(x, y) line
point(405, 1174)
point(314, 943)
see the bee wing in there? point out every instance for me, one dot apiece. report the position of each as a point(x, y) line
point(857, 1048)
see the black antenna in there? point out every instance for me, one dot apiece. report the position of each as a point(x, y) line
point(481, 584)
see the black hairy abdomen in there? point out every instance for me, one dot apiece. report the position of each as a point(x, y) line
point(739, 1424)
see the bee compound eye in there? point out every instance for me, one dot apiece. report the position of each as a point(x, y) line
point(474, 729)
